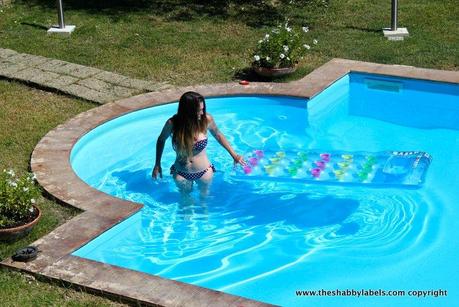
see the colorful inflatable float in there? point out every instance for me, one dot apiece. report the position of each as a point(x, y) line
point(397, 168)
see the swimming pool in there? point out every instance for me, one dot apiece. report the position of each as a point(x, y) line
point(249, 238)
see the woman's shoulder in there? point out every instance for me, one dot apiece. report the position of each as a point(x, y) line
point(209, 117)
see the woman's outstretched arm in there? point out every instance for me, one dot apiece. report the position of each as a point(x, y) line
point(165, 133)
point(220, 137)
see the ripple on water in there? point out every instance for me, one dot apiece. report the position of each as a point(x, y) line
point(207, 241)
point(384, 224)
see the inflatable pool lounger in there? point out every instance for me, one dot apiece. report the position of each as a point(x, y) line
point(396, 168)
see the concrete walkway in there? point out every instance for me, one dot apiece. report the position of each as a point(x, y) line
point(76, 80)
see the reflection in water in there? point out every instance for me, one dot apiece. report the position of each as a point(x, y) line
point(248, 236)
point(262, 204)
point(203, 240)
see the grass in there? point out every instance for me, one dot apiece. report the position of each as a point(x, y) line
point(23, 290)
point(141, 41)
point(184, 43)
point(26, 115)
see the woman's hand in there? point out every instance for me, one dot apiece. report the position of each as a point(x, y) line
point(157, 170)
point(238, 159)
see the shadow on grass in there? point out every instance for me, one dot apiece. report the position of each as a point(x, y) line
point(34, 25)
point(255, 13)
point(363, 29)
point(250, 75)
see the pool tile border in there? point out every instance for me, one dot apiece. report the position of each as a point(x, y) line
point(50, 163)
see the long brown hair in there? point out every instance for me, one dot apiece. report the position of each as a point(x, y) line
point(185, 124)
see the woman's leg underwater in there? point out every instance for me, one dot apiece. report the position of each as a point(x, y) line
point(204, 182)
point(183, 185)
point(186, 201)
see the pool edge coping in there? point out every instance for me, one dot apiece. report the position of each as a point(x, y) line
point(50, 162)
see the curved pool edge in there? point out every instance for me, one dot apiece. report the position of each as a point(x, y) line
point(50, 162)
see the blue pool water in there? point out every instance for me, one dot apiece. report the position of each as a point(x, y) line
point(266, 239)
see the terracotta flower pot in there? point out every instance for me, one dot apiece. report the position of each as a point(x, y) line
point(15, 233)
point(274, 72)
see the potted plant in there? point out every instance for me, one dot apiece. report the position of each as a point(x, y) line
point(18, 213)
point(280, 50)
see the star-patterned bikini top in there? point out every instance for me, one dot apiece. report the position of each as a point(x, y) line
point(199, 146)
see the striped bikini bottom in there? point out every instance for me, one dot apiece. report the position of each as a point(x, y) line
point(191, 176)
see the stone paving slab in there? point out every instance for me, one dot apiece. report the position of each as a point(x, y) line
point(88, 94)
point(53, 65)
point(64, 240)
point(36, 76)
point(140, 287)
point(5, 53)
point(96, 84)
point(61, 82)
point(103, 86)
point(73, 79)
point(27, 59)
point(160, 86)
point(76, 70)
point(131, 83)
point(9, 69)
point(111, 77)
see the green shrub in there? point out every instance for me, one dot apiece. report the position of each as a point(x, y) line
point(283, 46)
point(18, 194)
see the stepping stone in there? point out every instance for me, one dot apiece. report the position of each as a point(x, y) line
point(77, 80)
point(130, 82)
point(88, 94)
point(76, 70)
point(61, 82)
point(110, 77)
point(44, 77)
point(8, 69)
point(53, 65)
point(102, 86)
point(158, 86)
point(28, 59)
point(5, 53)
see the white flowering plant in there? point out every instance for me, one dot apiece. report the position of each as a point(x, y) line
point(18, 194)
point(283, 46)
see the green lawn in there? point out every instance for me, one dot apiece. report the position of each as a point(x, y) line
point(143, 42)
point(26, 115)
point(184, 43)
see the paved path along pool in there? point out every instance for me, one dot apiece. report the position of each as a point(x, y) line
point(72, 79)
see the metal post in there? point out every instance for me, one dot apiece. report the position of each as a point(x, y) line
point(393, 33)
point(61, 28)
point(60, 14)
point(393, 23)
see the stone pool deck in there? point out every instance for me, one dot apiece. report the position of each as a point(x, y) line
point(72, 79)
point(50, 163)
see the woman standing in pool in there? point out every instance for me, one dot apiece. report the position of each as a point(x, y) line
point(189, 139)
